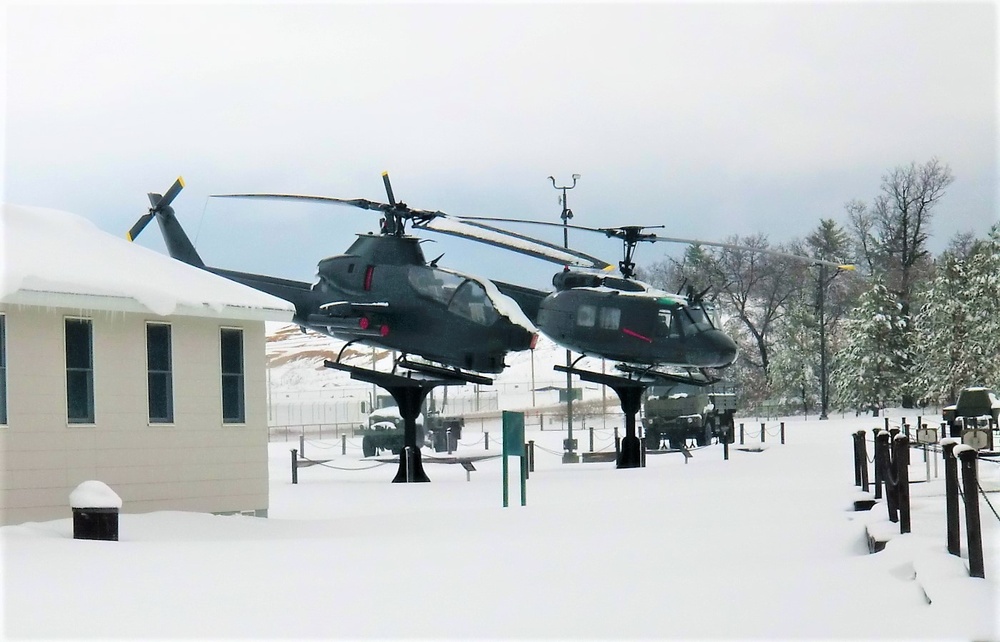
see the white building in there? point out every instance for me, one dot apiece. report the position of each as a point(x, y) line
point(123, 365)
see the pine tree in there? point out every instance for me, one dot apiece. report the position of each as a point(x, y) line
point(868, 373)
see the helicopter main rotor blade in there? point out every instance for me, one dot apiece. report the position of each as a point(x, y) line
point(620, 232)
point(747, 248)
point(515, 242)
point(363, 203)
point(388, 188)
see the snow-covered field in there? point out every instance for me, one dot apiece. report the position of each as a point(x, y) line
point(761, 546)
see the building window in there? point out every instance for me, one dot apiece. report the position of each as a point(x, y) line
point(3, 370)
point(79, 371)
point(233, 404)
point(159, 374)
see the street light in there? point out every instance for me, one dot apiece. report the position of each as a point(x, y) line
point(824, 388)
point(569, 456)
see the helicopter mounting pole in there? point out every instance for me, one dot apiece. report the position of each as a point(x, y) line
point(569, 456)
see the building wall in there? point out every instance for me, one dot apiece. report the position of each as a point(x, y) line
point(198, 463)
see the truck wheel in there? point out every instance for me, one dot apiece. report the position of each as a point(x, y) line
point(704, 437)
point(368, 446)
point(676, 443)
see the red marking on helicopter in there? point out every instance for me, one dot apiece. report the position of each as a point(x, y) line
point(636, 335)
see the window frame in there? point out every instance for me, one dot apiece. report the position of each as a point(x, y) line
point(239, 378)
point(3, 370)
point(91, 418)
point(166, 374)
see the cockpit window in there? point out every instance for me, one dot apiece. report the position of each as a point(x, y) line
point(586, 315)
point(437, 285)
point(472, 302)
point(462, 296)
point(695, 319)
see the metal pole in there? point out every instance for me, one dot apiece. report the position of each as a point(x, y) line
point(295, 466)
point(951, 499)
point(569, 456)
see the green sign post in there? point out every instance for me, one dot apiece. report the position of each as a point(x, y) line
point(513, 445)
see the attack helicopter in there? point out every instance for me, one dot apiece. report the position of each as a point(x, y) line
point(383, 292)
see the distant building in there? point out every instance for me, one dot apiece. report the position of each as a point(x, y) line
point(123, 365)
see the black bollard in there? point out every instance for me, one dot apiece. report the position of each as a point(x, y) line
point(857, 437)
point(486, 438)
point(591, 439)
point(531, 456)
point(741, 434)
point(727, 436)
point(782, 433)
point(763, 435)
point(343, 444)
point(951, 499)
point(295, 466)
point(973, 527)
point(877, 479)
point(901, 463)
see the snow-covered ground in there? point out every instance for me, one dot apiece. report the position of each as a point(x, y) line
point(761, 546)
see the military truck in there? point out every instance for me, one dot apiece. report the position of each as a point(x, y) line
point(973, 402)
point(385, 430)
point(679, 412)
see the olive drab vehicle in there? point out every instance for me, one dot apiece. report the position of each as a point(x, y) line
point(678, 413)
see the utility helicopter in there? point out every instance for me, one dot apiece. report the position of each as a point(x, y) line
point(623, 319)
point(383, 292)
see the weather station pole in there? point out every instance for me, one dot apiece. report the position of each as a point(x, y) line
point(569, 456)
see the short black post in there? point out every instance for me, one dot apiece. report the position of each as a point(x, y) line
point(642, 452)
point(531, 456)
point(295, 466)
point(782, 433)
point(973, 527)
point(727, 436)
point(447, 436)
point(741, 434)
point(863, 448)
point(302, 445)
point(878, 470)
point(884, 455)
point(763, 434)
point(886, 423)
point(856, 438)
point(591, 439)
point(901, 462)
point(486, 438)
point(618, 445)
point(343, 444)
point(951, 498)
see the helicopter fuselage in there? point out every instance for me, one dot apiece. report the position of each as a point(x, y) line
point(631, 322)
point(383, 293)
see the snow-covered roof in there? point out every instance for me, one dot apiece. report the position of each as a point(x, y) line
point(58, 259)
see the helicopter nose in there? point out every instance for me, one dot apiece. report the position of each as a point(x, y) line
point(715, 350)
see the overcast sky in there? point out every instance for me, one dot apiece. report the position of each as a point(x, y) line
point(710, 119)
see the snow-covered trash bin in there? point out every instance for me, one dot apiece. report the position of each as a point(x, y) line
point(95, 511)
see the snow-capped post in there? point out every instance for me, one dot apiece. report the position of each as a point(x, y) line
point(951, 495)
point(973, 527)
point(95, 511)
point(882, 465)
point(901, 463)
point(878, 471)
point(727, 436)
point(295, 466)
point(860, 460)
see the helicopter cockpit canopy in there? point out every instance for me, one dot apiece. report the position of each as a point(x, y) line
point(463, 296)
